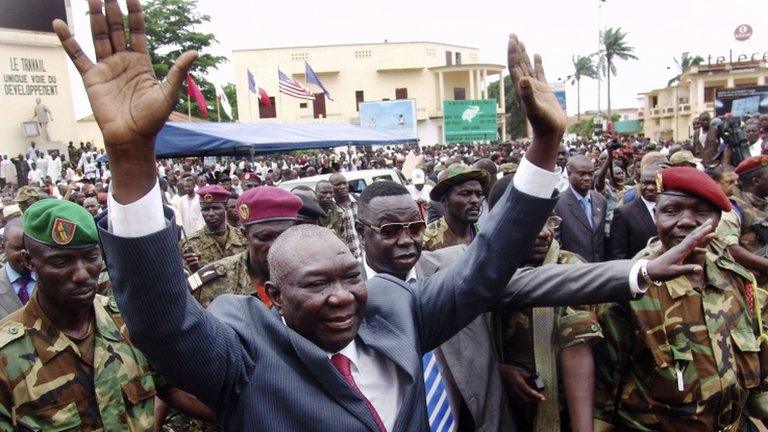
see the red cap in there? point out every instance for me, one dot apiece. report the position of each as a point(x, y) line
point(690, 181)
point(213, 194)
point(751, 164)
point(267, 203)
point(101, 197)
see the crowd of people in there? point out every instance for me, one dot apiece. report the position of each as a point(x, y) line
point(545, 285)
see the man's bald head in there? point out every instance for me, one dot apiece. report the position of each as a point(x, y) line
point(13, 227)
point(298, 245)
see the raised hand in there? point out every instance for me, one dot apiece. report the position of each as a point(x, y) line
point(129, 104)
point(533, 93)
point(675, 262)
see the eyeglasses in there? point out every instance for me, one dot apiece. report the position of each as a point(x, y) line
point(553, 222)
point(394, 230)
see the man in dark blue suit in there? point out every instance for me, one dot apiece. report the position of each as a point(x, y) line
point(334, 353)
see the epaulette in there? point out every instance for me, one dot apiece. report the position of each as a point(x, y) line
point(204, 275)
point(109, 303)
point(10, 331)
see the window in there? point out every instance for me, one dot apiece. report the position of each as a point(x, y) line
point(709, 94)
point(360, 54)
point(268, 111)
point(458, 58)
point(459, 93)
point(654, 101)
point(359, 98)
point(385, 99)
point(302, 105)
point(431, 52)
point(448, 58)
point(401, 93)
point(319, 105)
point(300, 56)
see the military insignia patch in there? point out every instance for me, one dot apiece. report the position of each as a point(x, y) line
point(63, 231)
point(244, 212)
point(659, 183)
point(207, 198)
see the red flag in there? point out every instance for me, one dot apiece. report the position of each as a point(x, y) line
point(195, 92)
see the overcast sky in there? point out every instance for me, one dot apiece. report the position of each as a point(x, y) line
point(557, 29)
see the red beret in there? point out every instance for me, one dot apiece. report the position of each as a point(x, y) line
point(690, 181)
point(751, 164)
point(101, 197)
point(250, 176)
point(267, 203)
point(213, 194)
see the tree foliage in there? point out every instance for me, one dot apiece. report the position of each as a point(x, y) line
point(684, 63)
point(583, 66)
point(516, 127)
point(614, 47)
point(173, 28)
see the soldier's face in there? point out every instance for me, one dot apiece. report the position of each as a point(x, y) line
point(232, 213)
point(324, 194)
point(260, 237)
point(66, 278)
point(323, 295)
point(677, 216)
point(214, 215)
point(464, 201)
point(541, 246)
point(391, 255)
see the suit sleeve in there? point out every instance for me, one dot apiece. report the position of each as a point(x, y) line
point(620, 234)
point(450, 299)
point(568, 285)
point(196, 351)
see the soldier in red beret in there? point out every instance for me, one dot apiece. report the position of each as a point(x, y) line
point(661, 354)
point(217, 239)
point(265, 212)
point(745, 230)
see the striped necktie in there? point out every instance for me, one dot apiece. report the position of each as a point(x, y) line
point(438, 405)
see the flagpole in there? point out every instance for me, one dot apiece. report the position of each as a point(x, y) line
point(250, 108)
point(280, 99)
point(218, 108)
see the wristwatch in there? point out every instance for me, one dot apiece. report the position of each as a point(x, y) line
point(645, 276)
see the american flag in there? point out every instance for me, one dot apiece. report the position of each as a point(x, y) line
point(291, 87)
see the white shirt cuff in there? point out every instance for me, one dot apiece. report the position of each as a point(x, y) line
point(534, 181)
point(137, 219)
point(634, 284)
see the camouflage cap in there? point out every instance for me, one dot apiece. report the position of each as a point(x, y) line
point(509, 168)
point(456, 174)
point(683, 157)
point(27, 193)
point(60, 223)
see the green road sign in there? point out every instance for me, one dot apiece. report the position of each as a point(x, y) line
point(470, 120)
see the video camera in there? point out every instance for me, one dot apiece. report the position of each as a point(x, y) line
point(733, 136)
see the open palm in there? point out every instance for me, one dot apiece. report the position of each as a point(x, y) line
point(128, 103)
point(533, 92)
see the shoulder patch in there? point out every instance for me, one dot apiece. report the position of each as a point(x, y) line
point(206, 274)
point(10, 331)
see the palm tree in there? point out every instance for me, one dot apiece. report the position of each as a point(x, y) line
point(685, 62)
point(614, 47)
point(583, 66)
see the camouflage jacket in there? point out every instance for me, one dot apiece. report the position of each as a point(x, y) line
point(225, 276)
point(684, 358)
point(206, 244)
point(438, 235)
point(334, 221)
point(45, 384)
point(747, 224)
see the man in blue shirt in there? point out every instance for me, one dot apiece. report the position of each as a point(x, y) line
point(17, 283)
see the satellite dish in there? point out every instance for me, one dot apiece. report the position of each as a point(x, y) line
point(743, 32)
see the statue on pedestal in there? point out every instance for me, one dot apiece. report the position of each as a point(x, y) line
point(43, 116)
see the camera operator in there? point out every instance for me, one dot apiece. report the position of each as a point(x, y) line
point(735, 145)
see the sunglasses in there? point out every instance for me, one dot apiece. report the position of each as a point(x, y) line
point(395, 230)
point(553, 222)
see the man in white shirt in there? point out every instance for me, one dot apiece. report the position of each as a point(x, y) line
point(753, 138)
point(419, 190)
point(8, 172)
point(188, 206)
point(54, 167)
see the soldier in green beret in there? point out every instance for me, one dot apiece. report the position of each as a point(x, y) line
point(66, 361)
point(461, 190)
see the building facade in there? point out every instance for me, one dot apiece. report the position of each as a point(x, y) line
point(668, 113)
point(426, 72)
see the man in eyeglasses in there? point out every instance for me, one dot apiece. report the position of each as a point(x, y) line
point(461, 190)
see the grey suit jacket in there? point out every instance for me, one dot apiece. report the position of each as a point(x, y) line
point(470, 354)
point(574, 233)
point(9, 301)
point(258, 374)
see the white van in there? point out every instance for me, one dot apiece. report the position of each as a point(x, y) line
point(357, 180)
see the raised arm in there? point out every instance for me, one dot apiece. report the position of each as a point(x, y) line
point(139, 242)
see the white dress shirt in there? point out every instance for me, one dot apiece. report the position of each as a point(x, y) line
point(756, 148)
point(650, 206)
point(375, 375)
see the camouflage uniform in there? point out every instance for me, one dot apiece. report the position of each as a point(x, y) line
point(684, 358)
point(46, 383)
point(513, 334)
point(334, 221)
point(208, 245)
point(746, 224)
point(226, 276)
point(439, 235)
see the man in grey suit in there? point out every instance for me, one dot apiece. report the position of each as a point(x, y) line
point(16, 281)
point(583, 212)
point(334, 353)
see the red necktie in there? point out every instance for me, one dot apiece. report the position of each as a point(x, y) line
point(343, 365)
point(23, 293)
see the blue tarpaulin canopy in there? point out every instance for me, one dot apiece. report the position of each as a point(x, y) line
point(178, 139)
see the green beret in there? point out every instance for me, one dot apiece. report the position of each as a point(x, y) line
point(60, 223)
